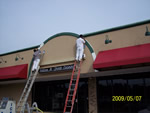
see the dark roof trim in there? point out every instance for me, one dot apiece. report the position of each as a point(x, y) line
point(61, 34)
point(25, 49)
point(117, 28)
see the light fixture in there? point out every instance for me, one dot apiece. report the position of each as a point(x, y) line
point(147, 33)
point(18, 57)
point(107, 41)
point(2, 61)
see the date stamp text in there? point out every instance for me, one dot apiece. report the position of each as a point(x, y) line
point(127, 98)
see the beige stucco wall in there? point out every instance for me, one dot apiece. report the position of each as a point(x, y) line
point(10, 58)
point(120, 38)
point(58, 50)
point(13, 91)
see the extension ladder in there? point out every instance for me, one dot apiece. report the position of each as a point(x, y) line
point(23, 99)
point(73, 86)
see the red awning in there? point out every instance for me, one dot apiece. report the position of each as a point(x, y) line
point(14, 72)
point(123, 56)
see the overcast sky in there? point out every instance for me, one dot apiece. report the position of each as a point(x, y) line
point(27, 23)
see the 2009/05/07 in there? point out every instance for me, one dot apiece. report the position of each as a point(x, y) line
point(126, 98)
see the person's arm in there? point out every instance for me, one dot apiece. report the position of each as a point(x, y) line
point(40, 52)
point(83, 40)
point(84, 43)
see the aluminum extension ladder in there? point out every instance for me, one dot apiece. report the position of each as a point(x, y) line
point(73, 86)
point(23, 99)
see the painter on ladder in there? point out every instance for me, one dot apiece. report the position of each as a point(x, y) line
point(80, 48)
point(36, 59)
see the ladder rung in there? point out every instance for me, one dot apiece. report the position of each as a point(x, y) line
point(69, 106)
point(20, 106)
point(26, 88)
point(22, 101)
point(71, 89)
point(30, 81)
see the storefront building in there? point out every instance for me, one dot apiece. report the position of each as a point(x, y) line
point(115, 76)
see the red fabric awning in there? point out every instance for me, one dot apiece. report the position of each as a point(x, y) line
point(123, 56)
point(14, 72)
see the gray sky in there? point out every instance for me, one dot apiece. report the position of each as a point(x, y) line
point(27, 23)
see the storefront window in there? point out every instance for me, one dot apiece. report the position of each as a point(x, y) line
point(81, 103)
point(104, 95)
point(50, 96)
point(147, 94)
point(119, 90)
point(135, 88)
point(147, 89)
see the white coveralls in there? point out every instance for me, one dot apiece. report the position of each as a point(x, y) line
point(36, 61)
point(80, 48)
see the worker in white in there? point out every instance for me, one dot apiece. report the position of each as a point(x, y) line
point(36, 58)
point(80, 48)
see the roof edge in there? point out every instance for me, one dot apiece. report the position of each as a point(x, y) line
point(16, 51)
point(117, 28)
point(61, 34)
